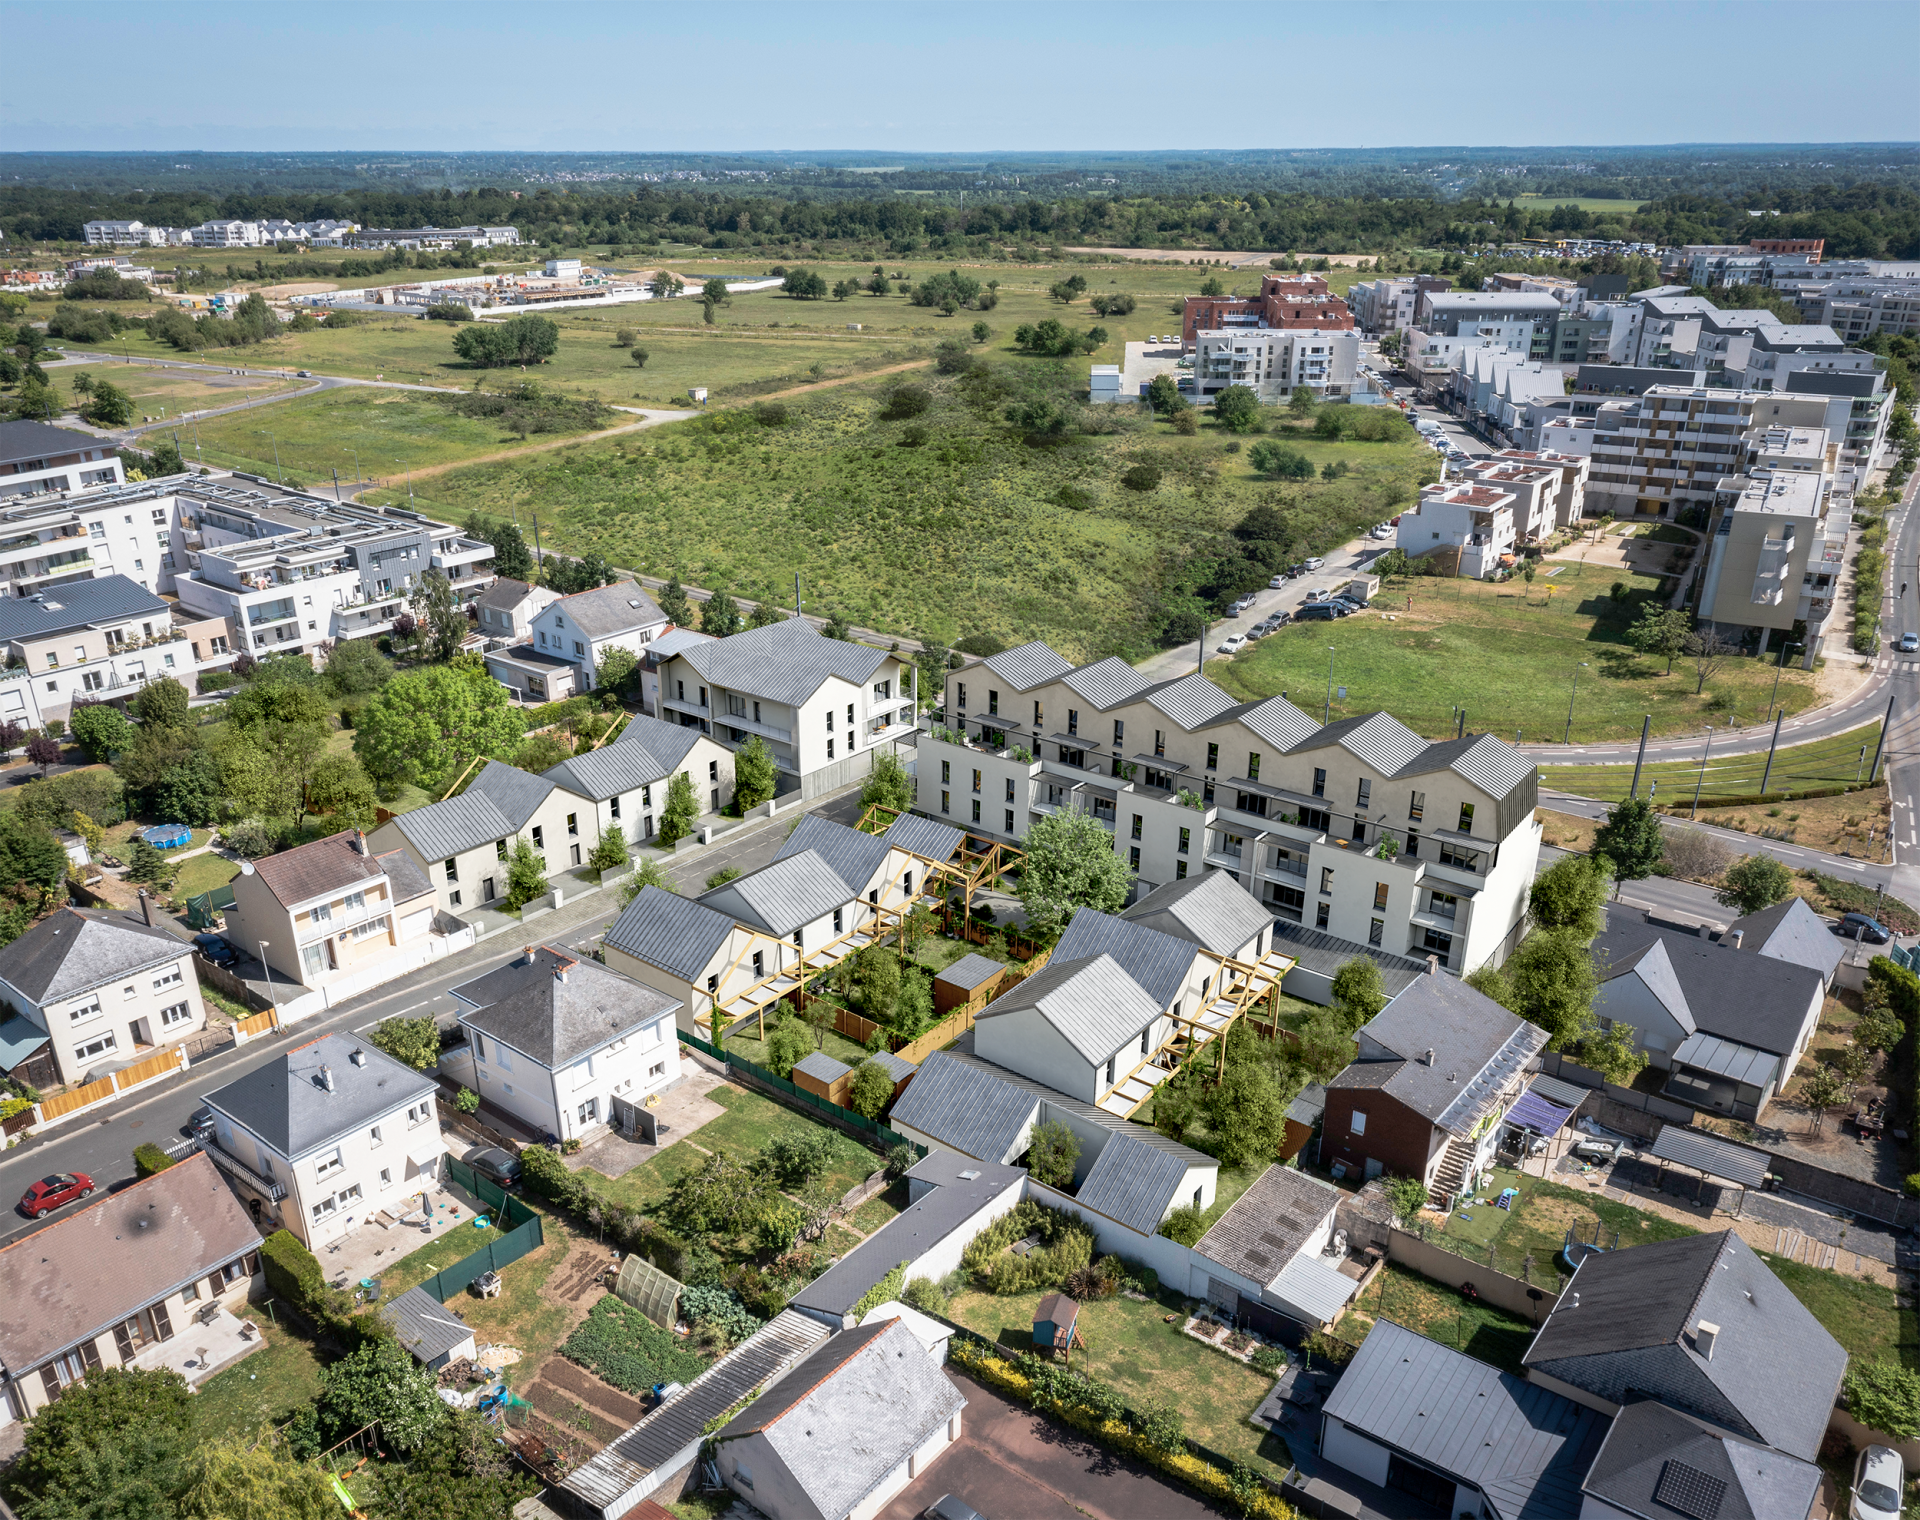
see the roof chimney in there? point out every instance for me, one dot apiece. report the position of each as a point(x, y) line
point(359, 842)
point(531, 952)
point(1738, 936)
point(1429, 1057)
point(1433, 965)
point(1704, 1335)
point(326, 1078)
point(359, 1056)
point(146, 908)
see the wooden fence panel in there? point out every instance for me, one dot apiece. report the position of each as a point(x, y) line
point(259, 1024)
point(154, 1066)
point(938, 1037)
point(80, 1097)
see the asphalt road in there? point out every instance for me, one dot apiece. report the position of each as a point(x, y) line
point(102, 1146)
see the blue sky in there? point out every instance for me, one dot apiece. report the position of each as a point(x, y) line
point(953, 77)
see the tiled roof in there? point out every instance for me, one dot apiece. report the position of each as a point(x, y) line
point(785, 662)
point(970, 971)
point(75, 949)
point(424, 1325)
point(968, 1107)
point(73, 1279)
point(285, 1101)
point(504, 595)
point(606, 611)
point(36, 440)
point(1280, 723)
point(666, 930)
point(1192, 701)
point(1376, 739)
point(497, 803)
point(1754, 1000)
point(319, 869)
point(1647, 1441)
point(556, 1008)
point(1789, 931)
point(1028, 666)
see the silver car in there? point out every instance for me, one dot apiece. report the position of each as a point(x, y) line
point(1879, 1478)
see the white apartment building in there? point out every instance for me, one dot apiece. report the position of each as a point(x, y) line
point(36, 459)
point(1273, 361)
point(1775, 555)
point(566, 1046)
point(1745, 350)
point(821, 706)
point(102, 988)
point(1521, 320)
point(1361, 829)
point(124, 235)
point(432, 237)
point(230, 234)
point(1474, 524)
point(1387, 305)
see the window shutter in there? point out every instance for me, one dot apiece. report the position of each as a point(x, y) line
point(161, 1322)
point(90, 1354)
point(124, 1341)
point(50, 1380)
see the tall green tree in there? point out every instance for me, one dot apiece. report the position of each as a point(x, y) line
point(677, 818)
point(755, 778)
point(720, 616)
point(1236, 408)
point(519, 340)
point(713, 295)
point(1357, 991)
point(1754, 882)
point(1554, 983)
point(109, 406)
point(435, 605)
point(1052, 1150)
point(414, 1042)
point(234, 1477)
point(1661, 631)
point(1247, 1113)
point(110, 1399)
point(339, 787)
point(461, 1472)
point(617, 672)
point(511, 556)
point(673, 602)
point(765, 614)
point(429, 725)
point(1071, 864)
point(887, 784)
point(1613, 1053)
point(1301, 403)
point(381, 1384)
point(1571, 894)
point(162, 703)
point(356, 667)
point(189, 792)
point(1630, 838)
point(103, 730)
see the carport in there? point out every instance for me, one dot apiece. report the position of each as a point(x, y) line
point(1721, 1160)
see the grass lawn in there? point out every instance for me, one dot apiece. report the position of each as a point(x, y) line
point(646, 1186)
point(740, 1040)
point(877, 1211)
point(751, 1121)
point(1130, 1346)
point(392, 432)
point(202, 873)
point(165, 392)
point(1440, 1314)
point(1528, 1237)
point(1822, 763)
point(265, 1389)
point(1866, 1318)
point(1508, 653)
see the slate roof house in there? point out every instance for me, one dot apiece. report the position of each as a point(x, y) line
point(507, 609)
point(567, 1046)
point(1656, 1461)
point(1725, 1021)
point(581, 628)
point(845, 1430)
point(1790, 931)
point(1436, 1072)
point(1264, 1256)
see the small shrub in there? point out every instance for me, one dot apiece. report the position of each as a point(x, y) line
point(1270, 1361)
point(620, 1344)
point(148, 1159)
point(1141, 477)
point(1185, 1224)
point(924, 1294)
point(466, 1100)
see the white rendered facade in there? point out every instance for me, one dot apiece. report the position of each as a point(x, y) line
point(1273, 361)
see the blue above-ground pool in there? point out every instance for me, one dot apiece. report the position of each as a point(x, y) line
point(167, 836)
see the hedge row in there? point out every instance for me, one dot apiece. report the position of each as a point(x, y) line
point(294, 1273)
point(1243, 1491)
point(547, 1175)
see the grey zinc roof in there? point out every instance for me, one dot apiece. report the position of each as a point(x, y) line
point(785, 662)
point(970, 971)
point(424, 1325)
point(671, 1432)
point(1280, 723)
point(647, 751)
point(1376, 739)
point(851, 1413)
point(924, 837)
point(606, 611)
point(1645, 1437)
point(1269, 1223)
point(1192, 701)
point(1790, 931)
point(109, 599)
point(555, 1007)
point(1628, 1321)
point(1653, 967)
point(1478, 1046)
point(1491, 764)
point(1132, 1182)
point(1090, 1002)
point(1725, 1058)
point(1523, 1446)
point(897, 1067)
point(1754, 1000)
point(854, 857)
point(1087, 1114)
point(822, 1067)
point(1028, 666)
point(783, 896)
point(666, 930)
point(943, 1208)
point(286, 1102)
point(1687, 1146)
point(1211, 909)
point(496, 803)
point(36, 440)
point(674, 640)
point(76, 949)
point(504, 594)
point(1324, 954)
point(969, 1107)
point(1157, 962)
point(1106, 683)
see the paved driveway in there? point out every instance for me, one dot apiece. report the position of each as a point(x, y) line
point(1010, 1464)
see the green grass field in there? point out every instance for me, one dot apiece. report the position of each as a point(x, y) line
point(167, 393)
point(265, 1389)
point(1509, 654)
point(1799, 767)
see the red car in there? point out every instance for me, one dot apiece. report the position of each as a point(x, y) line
point(49, 1193)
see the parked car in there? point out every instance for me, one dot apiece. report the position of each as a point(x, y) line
point(200, 1124)
point(1381, 530)
point(1277, 582)
point(215, 949)
point(1909, 642)
point(49, 1193)
point(1233, 643)
point(1597, 1150)
point(1242, 605)
point(303, 374)
point(491, 1161)
point(1317, 612)
point(946, 1507)
point(1879, 1478)
point(1315, 562)
point(1859, 926)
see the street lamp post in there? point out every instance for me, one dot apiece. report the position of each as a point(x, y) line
point(1785, 650)
point(1327, 716)
point(1701, 779)
point(266, 966)
point(1567, 737)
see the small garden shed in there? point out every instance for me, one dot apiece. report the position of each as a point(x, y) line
point(968, 983)
point(1056, 1323)
point(823, 1076)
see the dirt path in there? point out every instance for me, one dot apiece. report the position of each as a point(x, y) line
point(821, 385)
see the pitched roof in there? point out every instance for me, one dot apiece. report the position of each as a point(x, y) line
point(1754, 1000)
point(318, 869)
point(854, 857)
point(1157, 962)
point(556, 1007)
point(1377, 739)
point(1523, 1446)
point(78, 604)
point(667, 930)
point(504, 594)
point(1090, 1002)
point(1279, 722)
point(782, 896)
point(785, 662)
point(1789, 931)
point(1324, 954)
point(1028, 666)
point(91, 1269)
point(1106, 683)
point(674, 640)
point(924, 837)
point(647, 751)
point(1478, 1046)
point(1651, 1449)
point(1629, 1321)
point(34, 440)
point(1212, 910)
point(1651, 965)
point(424, 1325)
point(1192, 701)
point(496, 804)
point(76, 949)
point(970, 971)
point(605, 611)
point(1133, 1182)
point(286, 1102)
point(851, 1413)
point(1269, 1223)
point(969, 1107)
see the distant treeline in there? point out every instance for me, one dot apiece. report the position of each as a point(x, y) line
point(1864, 220)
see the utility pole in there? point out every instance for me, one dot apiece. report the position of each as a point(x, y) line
point(1767, 774)
point(1641, 758)
point(796, 593)
point(1701, 778)
point(336, 484)
point(1327, 716)
point(538, 564)
point(1567, 737)
point(1201, 666)
point(1885, 724)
